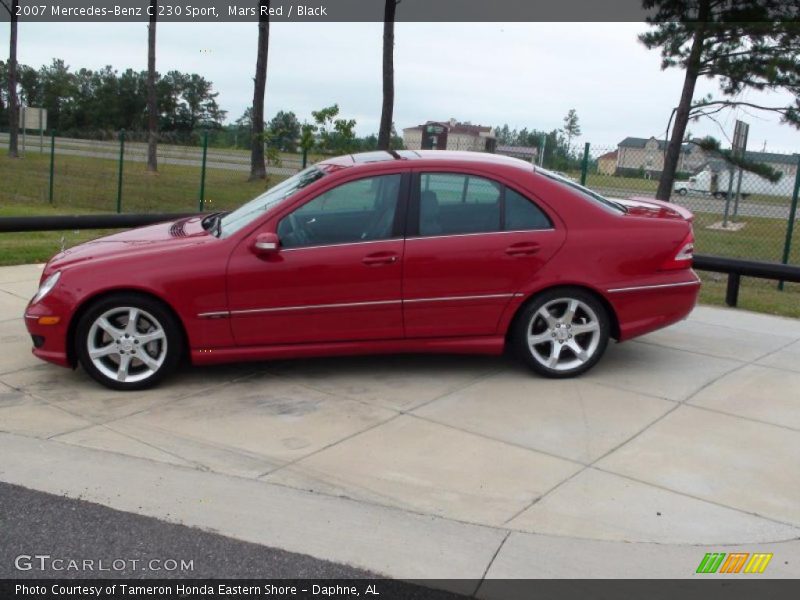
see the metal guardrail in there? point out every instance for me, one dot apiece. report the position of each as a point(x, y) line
point(736, 268)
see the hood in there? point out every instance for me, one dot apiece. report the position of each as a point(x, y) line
point(657, 209)
point(143, 240)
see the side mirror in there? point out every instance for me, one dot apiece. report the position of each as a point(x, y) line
point(266, 243)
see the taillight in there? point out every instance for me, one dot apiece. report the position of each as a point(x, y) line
point(683, 257)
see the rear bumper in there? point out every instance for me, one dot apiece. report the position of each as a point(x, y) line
point(651, 305)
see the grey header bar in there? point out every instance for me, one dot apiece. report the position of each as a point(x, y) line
point(211, 11)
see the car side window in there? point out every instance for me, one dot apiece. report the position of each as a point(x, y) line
point(356, 211)
point(451, 203)
point(522, 214)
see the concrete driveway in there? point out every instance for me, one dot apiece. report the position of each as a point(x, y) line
point(685, 441)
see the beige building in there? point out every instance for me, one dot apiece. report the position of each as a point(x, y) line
point(449, 135)
point(607, 163)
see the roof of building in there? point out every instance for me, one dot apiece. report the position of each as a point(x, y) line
point(521, 150)
point(612, 154)
point(637, 142)
point(454, 126)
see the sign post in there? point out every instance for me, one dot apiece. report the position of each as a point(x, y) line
point(740, 134)
point(32, 118)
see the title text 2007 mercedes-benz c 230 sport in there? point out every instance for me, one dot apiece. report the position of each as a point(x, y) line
point(374, 253)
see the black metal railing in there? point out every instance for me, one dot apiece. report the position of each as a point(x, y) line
point(735, 268)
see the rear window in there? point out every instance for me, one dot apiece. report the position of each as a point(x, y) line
point(585, 192)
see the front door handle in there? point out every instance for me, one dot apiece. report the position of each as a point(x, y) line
point(380, 258)
point(523, 249)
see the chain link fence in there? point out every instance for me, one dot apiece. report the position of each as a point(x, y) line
point(108, 172)
point(737, 213)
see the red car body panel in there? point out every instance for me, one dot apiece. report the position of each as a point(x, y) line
point(447, 293)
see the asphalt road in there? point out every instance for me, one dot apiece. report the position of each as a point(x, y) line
point(35, 524)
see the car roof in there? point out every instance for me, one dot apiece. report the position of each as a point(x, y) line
point(422, 157)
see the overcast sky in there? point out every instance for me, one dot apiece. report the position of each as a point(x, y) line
point(524, 74)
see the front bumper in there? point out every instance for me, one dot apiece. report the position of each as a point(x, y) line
point(49, 341)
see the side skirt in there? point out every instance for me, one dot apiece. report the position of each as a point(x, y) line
point(467, 345)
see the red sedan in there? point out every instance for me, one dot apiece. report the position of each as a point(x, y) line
point(374, 253)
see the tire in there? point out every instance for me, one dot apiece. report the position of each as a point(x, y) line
point(683, 191)
point(124, 357)
point(573, 353)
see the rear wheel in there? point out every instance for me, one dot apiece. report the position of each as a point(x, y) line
point(683, 191)
point(562, 333)
point(128, 342)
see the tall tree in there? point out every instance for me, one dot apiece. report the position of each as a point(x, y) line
point(258, 169)
point(572, 127)
point(746, 44)
point(13, 102)
point(385, 131)
point(152, 96)
point(285, 131)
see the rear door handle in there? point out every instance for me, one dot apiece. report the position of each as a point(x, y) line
point(523, 249)
point(380, 258)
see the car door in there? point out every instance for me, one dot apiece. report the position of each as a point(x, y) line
point(472, 243)
point(336, 275)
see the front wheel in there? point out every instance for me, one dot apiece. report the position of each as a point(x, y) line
point(128, 342)
point(562, 333)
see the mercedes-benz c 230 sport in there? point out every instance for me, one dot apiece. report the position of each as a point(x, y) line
point(410, 251)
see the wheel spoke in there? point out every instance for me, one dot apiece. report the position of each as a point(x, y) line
point(579, 352)
point(122, 370)
point(104, 351)
point(150, 336)
point(550, 319)
point(110, 329)
point(585, 328)
point(148, 360)
point(540, 338)
point(569, 315)
point(555, 354)
point(133, 317)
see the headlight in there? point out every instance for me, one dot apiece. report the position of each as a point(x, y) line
point(47, 285)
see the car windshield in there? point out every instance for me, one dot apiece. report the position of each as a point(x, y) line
point(247, 213)
point(584, 191)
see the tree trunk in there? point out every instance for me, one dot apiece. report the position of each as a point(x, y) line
point(152, 101)
point(13, 102)
point(385, 131)
point(257, 167)
point(684, 107)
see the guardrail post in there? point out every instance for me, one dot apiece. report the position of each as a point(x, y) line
point(121, 163)
point(732, 291)
point(787, 245)
point(52, 161)
point(202, 203)
point(585, 163)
